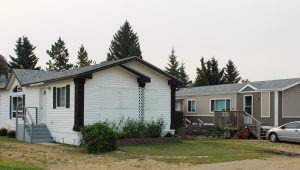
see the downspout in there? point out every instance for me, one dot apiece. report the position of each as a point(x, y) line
point(275, 108)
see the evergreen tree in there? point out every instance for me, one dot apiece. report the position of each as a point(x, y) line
point(216, 74)
point(183, 76)
point(60, 57)
point(245, 81)
point(201, 78)
point(231, 73)
point(125, 43)
point(25, 58)
point(4, 67)
point(209, 73)
point(173, 65)
point(82, 58)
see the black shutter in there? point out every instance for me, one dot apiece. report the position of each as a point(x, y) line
point(9, 107)
point(23, 105)
point(67, 96)
point(54, 97)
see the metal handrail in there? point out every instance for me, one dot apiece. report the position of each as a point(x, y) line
point(24, 111)
point(200, 121)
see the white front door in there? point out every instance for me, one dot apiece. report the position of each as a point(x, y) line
point(43, 106)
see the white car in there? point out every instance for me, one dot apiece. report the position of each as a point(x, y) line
point(289, 132)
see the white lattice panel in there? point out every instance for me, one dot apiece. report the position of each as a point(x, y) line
point(151, 104)
point(128, 102)
point(118, 101)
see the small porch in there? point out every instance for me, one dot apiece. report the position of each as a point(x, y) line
point(233, 120)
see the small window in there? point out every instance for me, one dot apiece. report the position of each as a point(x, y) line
point(61, 97)
point(191, 105)
point(220, 105)
point(16, 102)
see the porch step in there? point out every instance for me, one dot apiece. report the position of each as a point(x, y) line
point(42, 141)
point(40, 134)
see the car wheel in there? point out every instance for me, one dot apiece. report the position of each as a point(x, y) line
point(273, 137)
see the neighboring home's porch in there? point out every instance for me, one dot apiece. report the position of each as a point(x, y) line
point(233, 120)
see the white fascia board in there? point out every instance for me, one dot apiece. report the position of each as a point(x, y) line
point(248, 85)
point(291, 85)
point(36, 84)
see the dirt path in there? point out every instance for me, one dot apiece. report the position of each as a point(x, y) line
point(274, 163)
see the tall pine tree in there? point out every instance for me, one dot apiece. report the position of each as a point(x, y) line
point(60, 57)
point(125, 43)
point(82, 58)
point(201, 77)
point(173, 65)
point(183, 76)
point(231, 74)
point(209, 73)
point(25, 58)
point(4, 67)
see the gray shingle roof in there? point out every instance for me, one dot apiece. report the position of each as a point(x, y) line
point(223, 88)
point(25, 75)
point(56, 76)
point(274, 84)
point(233, 88)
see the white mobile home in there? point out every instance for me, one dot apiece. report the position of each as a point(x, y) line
point(67, 100)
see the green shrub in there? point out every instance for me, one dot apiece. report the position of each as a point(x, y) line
point(154, 129)
point(99, 138)
point(168, 135)
point(179, 118)
point(133, 128)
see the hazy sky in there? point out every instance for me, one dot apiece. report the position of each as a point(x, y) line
point(261, 37)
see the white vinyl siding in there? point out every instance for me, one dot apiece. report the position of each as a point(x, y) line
point(163, 90)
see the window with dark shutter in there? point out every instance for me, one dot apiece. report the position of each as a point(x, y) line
point(54, 97)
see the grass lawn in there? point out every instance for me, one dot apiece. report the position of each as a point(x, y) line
point(16, 155)
point(196, 152)
point(11, 164)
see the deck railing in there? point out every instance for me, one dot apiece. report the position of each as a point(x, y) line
point(25, 114)
point(232, 120)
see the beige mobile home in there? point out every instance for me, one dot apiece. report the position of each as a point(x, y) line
point(272, 102)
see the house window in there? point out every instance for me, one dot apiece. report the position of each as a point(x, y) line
point(220, 105)
point(16, 102)
point(191, 105)
point(61, 97)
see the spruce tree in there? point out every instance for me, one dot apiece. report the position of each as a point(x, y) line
point(183, 76)
point(231, 73)
point(60, 57)
point(209, 73)
point(25, 58)
point(216, 74)
point(125, 43)
point(201, 77)
point(82, 58)
point(4, 67)
point(173, 65)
